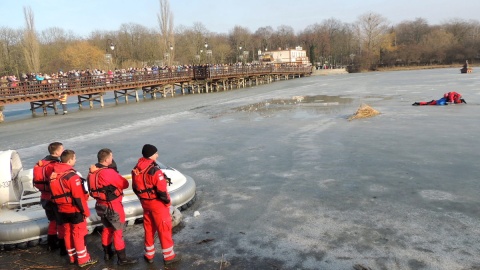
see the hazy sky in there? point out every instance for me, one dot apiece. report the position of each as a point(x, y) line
point(220, 16)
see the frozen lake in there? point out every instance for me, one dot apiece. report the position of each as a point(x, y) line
point(285, 181)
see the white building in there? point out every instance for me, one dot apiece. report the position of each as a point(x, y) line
point(289, 56)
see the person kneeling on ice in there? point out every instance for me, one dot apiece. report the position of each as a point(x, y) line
point(106, 185)
point(450, 97)
point(150, 185)
point(454, 97)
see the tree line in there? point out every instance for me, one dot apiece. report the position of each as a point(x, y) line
point(369, 42)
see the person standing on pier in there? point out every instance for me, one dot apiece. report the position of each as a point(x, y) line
point(41, 180)
point(69, 193)
point(150, 185)
point(106, 185)
point(63, 100)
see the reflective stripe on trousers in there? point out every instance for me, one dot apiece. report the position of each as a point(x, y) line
point(150, 252)
point(168, 252)
point(158, 220)
point(71, 255)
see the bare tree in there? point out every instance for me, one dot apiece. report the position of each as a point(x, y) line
point(52, 41)
point(370, 38)
point(82, 54)
point(371, 29)
point(459, 28)
point(31, 47)
point(411, 32)
point(11, 51)
point(284, 37)
point(436, 44)
point(165, 22)
point(264, 34)
point(240, 41)
point(220, 47)
point(135, 45)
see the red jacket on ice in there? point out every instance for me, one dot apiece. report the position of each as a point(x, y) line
point(68, 191)
point(105, 184)
point(149, 182)
point(41, 175)
point(453, 97)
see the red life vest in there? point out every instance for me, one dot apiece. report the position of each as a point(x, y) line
point(144, 190)
point(61, 193)
point(99, 192)
point(40, 179)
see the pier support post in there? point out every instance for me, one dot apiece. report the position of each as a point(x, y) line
point(126, 93)
point(91, 98)
point(183, 88)
point(2, 118)
point(44, 105)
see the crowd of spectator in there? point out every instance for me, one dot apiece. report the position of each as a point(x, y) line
point(78, 75)
point(98, 76)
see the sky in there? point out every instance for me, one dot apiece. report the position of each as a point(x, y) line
point(221, 16)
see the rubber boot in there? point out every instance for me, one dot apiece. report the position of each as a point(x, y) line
point(108, 252)
point(123, 259)
point(52, 242)
point(177, 258)
point(63, 249)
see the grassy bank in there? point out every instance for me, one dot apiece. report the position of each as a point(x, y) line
point(419, 67)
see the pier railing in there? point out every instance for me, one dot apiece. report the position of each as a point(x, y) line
point(29, 91)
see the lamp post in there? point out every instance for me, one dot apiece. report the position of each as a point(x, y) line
point(206, 51)
point(171, 54)
point(239, 50)
point(110, 45)
point(352, 56)
point(168, 55)
point(197, 58)
point(245, 56)
point(108, 56)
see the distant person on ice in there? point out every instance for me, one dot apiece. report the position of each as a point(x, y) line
point(450, 97)
point(63, 101)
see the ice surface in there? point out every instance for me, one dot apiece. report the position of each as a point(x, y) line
point(300, 187)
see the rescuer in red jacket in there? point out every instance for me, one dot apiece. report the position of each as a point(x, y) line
point(453, 97)
point(106, 185)
point(150, 185)
point(69, 194)
point(41, 180)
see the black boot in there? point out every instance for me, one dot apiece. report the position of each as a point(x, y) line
point(52, 242)
point(63, 249)
point(123, 259)
point(108, 252)
point(177, 258)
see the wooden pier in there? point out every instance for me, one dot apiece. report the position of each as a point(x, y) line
point(91, 89)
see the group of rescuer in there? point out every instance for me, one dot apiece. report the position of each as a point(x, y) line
point(64, 198)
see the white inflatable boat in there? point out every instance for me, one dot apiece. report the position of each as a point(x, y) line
point(22, 219)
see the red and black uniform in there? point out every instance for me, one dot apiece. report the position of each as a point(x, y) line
point(106, 186)
point(453, 97)
point(69, 194)
point(41, 180)
point(150, 185)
